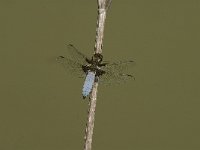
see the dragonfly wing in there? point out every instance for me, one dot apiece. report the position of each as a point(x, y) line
point(119, 66)
point(110, 78)
point(114, 72)
point(71, 66)
point(76, 55)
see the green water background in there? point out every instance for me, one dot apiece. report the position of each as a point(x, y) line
point(41, 107)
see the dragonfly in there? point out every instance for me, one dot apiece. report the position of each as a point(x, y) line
point(94, 69)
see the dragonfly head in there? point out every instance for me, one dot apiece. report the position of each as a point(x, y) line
point(97, 58)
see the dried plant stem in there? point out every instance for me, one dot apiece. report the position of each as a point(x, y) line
point(103, 6)
point(91, 118)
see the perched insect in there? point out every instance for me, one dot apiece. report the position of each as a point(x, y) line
point(94, 69)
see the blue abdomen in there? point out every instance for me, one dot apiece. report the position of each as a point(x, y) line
point(89, 81)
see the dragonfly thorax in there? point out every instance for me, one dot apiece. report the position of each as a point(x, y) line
point(94, 65)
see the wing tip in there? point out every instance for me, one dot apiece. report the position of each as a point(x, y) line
point(59, 58)
point(70, 44)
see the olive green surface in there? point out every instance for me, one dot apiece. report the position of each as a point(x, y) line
point(41, 106)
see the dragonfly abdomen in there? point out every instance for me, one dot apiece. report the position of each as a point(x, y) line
point(89, 81)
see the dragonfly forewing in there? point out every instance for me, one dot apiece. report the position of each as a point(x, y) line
point(75, 54)
point(71, 66)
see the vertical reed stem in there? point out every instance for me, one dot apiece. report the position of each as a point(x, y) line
point(103, 6)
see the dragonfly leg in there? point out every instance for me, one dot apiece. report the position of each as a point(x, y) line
point(85, 68)
point(100, 72)
point(102, 64)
